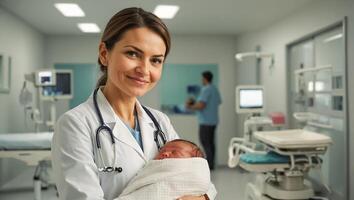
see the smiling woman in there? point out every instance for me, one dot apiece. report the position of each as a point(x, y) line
point(132, 51)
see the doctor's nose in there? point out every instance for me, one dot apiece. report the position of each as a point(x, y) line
point(143, 67)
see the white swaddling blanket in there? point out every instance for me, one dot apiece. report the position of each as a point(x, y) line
point(169, 179)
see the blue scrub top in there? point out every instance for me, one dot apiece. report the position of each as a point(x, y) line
point(211, 97)
point(136, 132)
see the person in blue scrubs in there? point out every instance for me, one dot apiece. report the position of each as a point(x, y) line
point(207, 107)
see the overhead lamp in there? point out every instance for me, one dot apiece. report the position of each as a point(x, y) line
point(89, 27)
point(166, 11)
point(70, 9)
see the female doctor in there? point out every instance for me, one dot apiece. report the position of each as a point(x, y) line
point(101, 144)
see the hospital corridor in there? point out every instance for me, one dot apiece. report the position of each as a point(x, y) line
point(167, 100)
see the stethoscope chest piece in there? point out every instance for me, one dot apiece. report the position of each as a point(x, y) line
point(118, 169)
point(110, 169)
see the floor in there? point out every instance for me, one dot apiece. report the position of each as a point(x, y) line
point(230, 184)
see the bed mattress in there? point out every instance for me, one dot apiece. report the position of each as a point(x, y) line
point(26, 141)
point(293, 139)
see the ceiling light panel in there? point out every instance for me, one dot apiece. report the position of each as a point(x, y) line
point(70, 9)
point(166, 11)
point(89, 27)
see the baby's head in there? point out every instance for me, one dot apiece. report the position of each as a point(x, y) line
point(179, 149)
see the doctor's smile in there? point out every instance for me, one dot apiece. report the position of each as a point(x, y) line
point(139, 81)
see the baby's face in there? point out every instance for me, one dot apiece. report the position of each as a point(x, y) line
point(175, 150)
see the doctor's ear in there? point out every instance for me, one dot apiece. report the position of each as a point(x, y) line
point(103, 54)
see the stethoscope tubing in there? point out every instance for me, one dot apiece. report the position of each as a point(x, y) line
point(104, 127)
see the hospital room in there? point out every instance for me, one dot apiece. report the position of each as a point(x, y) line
point(187, 100)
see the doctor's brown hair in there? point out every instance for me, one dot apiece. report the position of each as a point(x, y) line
point(126, 20)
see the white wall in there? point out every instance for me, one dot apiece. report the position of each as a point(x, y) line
point(71, 49)
point(185, 49)
point(25, 45)
point(274, 39)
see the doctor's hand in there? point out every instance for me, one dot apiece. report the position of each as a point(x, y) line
point(201, 197)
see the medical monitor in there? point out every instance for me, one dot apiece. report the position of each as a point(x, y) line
point(249, 99)
point(63, 88)
point(193, 89)
point(45, 77)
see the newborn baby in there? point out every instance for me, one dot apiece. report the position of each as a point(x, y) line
point(178, 169)
point(179, 149)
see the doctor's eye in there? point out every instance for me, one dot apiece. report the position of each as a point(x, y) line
point(132, 54)
point(156, 61)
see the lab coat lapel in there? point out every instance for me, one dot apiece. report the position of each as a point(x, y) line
point(119, 129)
point(108, 115)
point(122, 133)
point(147, 128)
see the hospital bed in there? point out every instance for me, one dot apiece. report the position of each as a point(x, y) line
point(287, 157)
point(31, 148)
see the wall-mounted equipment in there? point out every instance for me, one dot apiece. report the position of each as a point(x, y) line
point(45, 77)
point(259, 56)
point(61, 86)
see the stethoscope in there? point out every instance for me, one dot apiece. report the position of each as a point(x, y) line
point(159, 137)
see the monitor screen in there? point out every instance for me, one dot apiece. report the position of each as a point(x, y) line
point(45, 77)
point(250, 99)
point(62, 89)
point(193, 89)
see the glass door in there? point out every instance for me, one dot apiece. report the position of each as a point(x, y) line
point(317, 85)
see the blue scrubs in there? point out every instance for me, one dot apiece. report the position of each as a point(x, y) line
point(208, 119)
point(211, 97)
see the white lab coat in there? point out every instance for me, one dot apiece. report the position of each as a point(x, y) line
point(75, 156)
